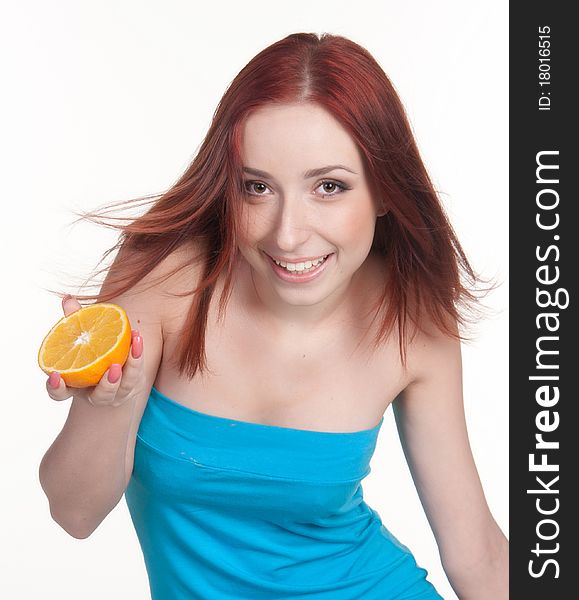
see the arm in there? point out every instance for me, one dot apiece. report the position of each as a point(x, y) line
point(431, 423)
point(84, 472)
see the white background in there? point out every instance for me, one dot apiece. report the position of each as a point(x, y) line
point(105, 101)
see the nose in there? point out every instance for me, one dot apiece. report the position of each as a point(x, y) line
point(291, 226)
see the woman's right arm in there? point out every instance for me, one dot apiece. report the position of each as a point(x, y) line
point(86, 470)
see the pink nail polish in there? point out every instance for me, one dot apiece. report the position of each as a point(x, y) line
point(54, 379)
point(115, 372)
point(137, 348)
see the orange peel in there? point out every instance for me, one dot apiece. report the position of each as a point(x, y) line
point(83, 345)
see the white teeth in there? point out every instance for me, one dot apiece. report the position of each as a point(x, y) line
point(301, 266)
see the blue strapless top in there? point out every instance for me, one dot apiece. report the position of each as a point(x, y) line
point(229, 510)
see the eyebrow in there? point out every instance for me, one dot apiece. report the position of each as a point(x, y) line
point(307, 175)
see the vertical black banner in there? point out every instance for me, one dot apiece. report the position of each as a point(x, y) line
point(544, 441)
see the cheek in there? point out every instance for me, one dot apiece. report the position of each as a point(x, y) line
point(253, 226)
point(357, 224)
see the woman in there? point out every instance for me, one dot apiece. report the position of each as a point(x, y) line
point(240, 431)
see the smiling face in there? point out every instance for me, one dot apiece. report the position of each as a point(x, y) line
point(306, 196)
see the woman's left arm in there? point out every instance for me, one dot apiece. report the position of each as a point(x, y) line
point(431, 423)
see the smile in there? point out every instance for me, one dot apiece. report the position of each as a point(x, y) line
point(301, 266)
point(301, 272)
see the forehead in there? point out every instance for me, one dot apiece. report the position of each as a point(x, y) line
point(302, 134)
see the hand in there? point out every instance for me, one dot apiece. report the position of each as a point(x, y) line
point(125, 380)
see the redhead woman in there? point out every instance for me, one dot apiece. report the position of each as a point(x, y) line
point(299, 279)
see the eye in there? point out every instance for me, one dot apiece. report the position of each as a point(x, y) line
point(340, 186)
point(250, 184)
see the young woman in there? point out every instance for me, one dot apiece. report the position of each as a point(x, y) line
point(239, 431)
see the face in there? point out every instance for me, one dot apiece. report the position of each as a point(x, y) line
point(295, 215)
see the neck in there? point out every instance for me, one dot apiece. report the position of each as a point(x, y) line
point(341, 308)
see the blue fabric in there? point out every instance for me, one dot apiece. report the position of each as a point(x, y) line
point(229, 510)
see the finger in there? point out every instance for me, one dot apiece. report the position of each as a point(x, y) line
point(61, 391)
point(105, 392)
point(70, 304)
point(133, 368)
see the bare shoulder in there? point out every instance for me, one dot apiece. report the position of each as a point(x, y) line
point(143, 301)
point(155, 293)
point(433, 354)
point(178, 276)
point(149, 300)
point(166, 275)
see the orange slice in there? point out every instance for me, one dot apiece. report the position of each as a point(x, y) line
point(82, 346)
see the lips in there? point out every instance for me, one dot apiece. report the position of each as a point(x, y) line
point(299, 276)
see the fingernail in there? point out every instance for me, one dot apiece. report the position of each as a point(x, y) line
point(134, 332)
point(115, 372)
point(137, 348)
point(54, 379)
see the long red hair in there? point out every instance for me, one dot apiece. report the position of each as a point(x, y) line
point(428, 272)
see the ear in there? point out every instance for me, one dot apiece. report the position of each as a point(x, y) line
point(382, 212)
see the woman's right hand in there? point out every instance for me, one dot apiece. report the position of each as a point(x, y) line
point(125, 380)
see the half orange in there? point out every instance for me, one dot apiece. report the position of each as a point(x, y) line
point(82, 346)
